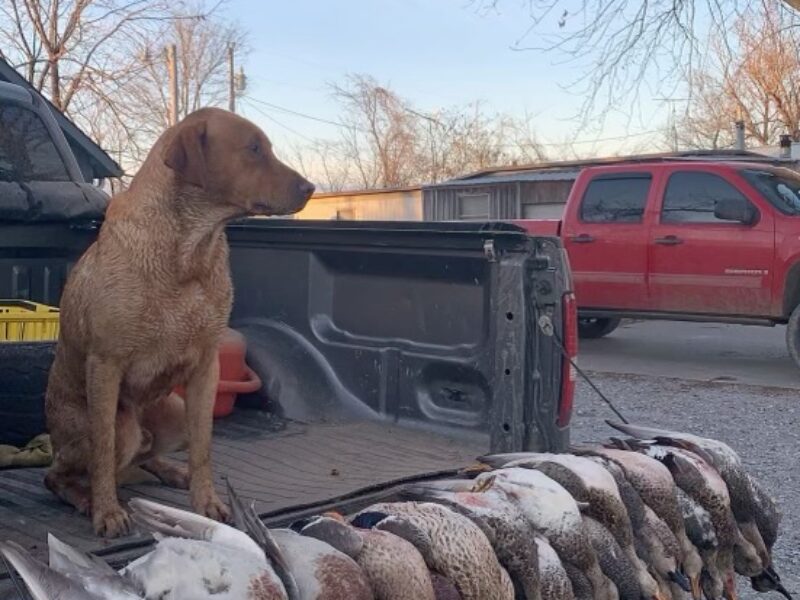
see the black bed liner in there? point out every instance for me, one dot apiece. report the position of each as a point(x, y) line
point(288, 468)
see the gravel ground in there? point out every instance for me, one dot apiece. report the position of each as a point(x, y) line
point(761, 424)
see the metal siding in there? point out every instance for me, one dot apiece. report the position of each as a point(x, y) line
point(441, 204)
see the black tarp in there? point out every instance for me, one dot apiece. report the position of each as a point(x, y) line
point(51, 201)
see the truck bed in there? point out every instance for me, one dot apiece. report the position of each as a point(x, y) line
point(288, 468)
point(387, 351)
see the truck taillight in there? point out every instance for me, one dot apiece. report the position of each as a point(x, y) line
point(568, 374)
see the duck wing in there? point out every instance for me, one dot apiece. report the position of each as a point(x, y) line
point(43, 582)
point(92, 572)
point(248, 521)
point(168, 521)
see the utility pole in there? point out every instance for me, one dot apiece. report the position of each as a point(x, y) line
point(231, 80)
point(172, 69)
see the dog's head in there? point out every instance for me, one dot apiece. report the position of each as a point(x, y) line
point(231, 160)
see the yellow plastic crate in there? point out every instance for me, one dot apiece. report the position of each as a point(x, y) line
point(23, 321)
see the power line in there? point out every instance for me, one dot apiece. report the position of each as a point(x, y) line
point(300, 114)
point(277, 122)
point(545, 144)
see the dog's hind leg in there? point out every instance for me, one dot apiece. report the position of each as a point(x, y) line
point(68, 480)
point(67, 477)
point(166, 422)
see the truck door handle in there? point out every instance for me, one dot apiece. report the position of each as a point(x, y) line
point(583, 238)
point(670, 240)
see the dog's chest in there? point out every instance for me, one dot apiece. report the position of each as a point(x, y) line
point(182, 331)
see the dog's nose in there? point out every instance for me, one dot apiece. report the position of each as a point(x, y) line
point(306, 188)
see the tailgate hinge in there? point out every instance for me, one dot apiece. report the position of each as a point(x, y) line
point(489, 251)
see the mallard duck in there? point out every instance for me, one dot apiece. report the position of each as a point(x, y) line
point(456, 547)
point(555, 513)
point(509, 532)
point(394, 567)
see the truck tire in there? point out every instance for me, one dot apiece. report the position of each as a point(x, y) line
point(596, 327)
point(793, 335)
point(24, 369)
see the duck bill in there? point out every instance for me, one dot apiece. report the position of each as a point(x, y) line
point(697, 592)
point(783, 591)
point(729, 588)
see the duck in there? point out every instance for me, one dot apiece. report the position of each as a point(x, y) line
point(703, 483)
point(509, 532)
point(394, 567)
point(754, 509)
point(701, 532)
point(667, 559)
point(197, 557)
point(632, 501)
point(443, 587)
point(589, 482)
point(321, 571)
point(455, 547)
point(654, 483)
point(556, 515)
point(554, 583)
point(614, 561)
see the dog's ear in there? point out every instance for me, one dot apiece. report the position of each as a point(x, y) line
point(185, 153)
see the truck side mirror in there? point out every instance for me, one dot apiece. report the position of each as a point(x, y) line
point(735, 209)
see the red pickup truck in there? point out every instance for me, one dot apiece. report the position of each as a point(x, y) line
point(684, 240)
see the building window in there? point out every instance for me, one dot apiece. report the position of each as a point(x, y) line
point(616, 199)
point(473, 207)
point(548, 210)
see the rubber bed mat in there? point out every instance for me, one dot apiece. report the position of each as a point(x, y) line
point(285, 467)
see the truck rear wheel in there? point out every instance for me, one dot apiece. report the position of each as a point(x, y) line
point(793, 335)
point(596, 327)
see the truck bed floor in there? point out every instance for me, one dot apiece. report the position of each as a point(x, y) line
point(279, 465)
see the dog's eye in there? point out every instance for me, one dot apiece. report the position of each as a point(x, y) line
point(255, 148)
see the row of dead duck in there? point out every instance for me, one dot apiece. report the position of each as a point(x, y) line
point(658, 516)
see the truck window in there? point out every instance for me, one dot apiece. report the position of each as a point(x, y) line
point(691, 196)
point(27, 152)
point(780, 187)
point(617, 199)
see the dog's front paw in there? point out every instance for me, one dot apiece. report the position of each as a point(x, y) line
point(111, 522)
point(209, 505)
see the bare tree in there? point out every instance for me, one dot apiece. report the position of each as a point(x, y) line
point(621, 44)
point(378, 132)
point(102, 62)
point(58, 44)
point(387, 142)
point(756, 83)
